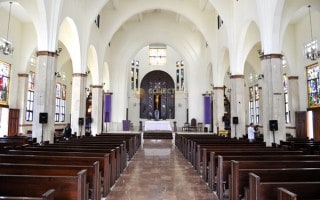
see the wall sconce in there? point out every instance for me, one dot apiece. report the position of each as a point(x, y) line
point(57, 74)
point(260, 76)
point(87, 72)
point(87, 89)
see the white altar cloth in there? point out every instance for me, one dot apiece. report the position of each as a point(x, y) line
point(157, 126)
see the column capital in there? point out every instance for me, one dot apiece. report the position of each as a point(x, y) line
point(79, 75)
point(96, 86)
point(269, 56)
point(206, 94)
point(218, 88)
point(23, 75)
point(293, 77)
point(47, 53)
point(240, 76)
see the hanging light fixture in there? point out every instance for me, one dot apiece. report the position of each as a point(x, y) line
point(6, 46)
point(311, 49)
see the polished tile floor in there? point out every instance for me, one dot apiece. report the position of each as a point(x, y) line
point(158, 171)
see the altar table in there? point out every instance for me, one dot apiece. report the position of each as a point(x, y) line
point(157, 126)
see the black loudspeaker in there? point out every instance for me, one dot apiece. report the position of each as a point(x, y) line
point(273, 125)
point(235, 120)
point(81, 121)
point(43, 118)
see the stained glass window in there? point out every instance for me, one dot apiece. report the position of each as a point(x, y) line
point(4, 82)
point(313, 85)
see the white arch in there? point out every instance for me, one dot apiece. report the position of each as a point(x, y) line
point(92, 63)
point(69, 36)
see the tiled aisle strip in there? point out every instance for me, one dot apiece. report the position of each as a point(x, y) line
point(158, 171)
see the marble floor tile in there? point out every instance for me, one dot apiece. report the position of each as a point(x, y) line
point(158, 171)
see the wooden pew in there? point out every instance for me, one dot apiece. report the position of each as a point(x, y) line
point(239, 176)
point(198, 155)
point(260, 190)
point(48, 195)
point(120, 157)
point(224, 168)
point(213, 160)
point(113, 150)
point(209, 161)
point(12, 142)
point(107, 164)
point(93, 175)
point(133, 140)
point(284, 194)
point(209, 168)
point(66, 187)
point(281, 174)
point(63, 160)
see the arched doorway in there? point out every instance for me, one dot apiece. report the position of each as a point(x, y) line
point(158, 101)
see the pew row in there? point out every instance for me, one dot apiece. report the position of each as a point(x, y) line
point(64, 160)
point(260, 190)
point(93, 175)
point(66, 187)
point(48, 195)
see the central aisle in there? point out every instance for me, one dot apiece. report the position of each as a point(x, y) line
point(158, 171)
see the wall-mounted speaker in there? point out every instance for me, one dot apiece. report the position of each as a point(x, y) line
point(273, 125)
point(81, 121)
point(235, 120)
point(43, 118)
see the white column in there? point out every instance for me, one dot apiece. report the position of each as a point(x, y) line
point(260, 105)
point(96, 114)
point(293, 96)
point(273, 99)
point(237, 105)
point(78, 102)
point(22, 91)
point(44, 96)
point(218, 108)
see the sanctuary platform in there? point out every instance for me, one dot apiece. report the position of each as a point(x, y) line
point(157, 134)
point(157, 130)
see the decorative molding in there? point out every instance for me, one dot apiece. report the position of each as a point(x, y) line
point(277, 93)
point(206, 94)
point(96, 86)
point(293, 77)
point(25, 125)
point(47, 53)
point(79, 75)
point(270, 56)
point(237, 76)
point(290, 127)
point(218, 88)
point(23, 75)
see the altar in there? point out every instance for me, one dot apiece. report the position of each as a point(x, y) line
point(157, 126)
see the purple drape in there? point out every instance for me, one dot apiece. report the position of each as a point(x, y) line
point(107, 107)
point(207, 109)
